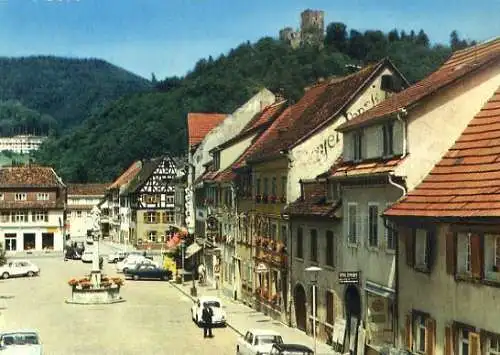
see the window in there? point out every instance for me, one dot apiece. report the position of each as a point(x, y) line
point(258, 190)
point(1, 197)
point(152, 236)
point(78, 214)
point(40, 216)
point(357, 146)
point(170, 199)
point(330, 249)
point(493, 344)
point(20, 216)
point(352, 223)
point(333, 191)
point(21, 196)
point(10, 241)
point(151, 217)
point(330, 308)
point(421, 249)
point(420, 332)
point(314, 245)
point(266, 186)
point(283, 186)
point(151, 199)
point(469, 341)
point(274, 186)
point(469, 255)
point(373, 225)
point(42, 196)
point(492, 256)
point(300, 246)
point(217, 160)
point(390, 234)
point(387, 132)
point(168, 217)
point(5, 217)
point(284, 235)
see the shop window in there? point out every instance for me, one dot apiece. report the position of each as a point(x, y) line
point(300, 244)
point(314, 245)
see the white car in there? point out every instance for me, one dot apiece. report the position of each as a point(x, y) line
point(116, 256)
point(131, 263)
point(219, 317)
point(258, 341)
point(87, 256)
point(23, 341)
point(19, 268)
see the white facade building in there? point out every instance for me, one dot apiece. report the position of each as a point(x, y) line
point(21, 143)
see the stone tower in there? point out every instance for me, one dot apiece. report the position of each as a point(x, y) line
point(312, 26)
point(290, 36)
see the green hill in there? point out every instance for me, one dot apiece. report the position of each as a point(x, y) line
point(69, 90)
point(145, 125)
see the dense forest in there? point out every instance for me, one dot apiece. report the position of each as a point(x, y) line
point(18, 119)
point(148, 124)
point(67, 89)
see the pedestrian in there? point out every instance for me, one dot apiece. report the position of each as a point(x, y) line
point(206, 316)
point(101, 262)
point(201, 273)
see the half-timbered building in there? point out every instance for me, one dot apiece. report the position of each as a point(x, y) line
point(152, 201)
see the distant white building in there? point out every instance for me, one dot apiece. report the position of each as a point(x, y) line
point(21, 143)
point(81, 199)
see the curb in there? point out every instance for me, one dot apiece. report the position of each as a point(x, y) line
point(179, 288)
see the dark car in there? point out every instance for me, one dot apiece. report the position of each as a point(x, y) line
point(290, 349)
point(150, 272)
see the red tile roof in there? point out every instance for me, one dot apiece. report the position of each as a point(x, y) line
point(33, 205)
point(226, 175)
point(200, 124)
point(87, 189)
point(466, 182)
point(458, 66)
point(366, 167)
point(313, 203)
point(127, 176)
point(319, 105)
point(29, 176)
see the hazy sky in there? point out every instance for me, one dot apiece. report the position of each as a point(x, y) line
point(168, 36)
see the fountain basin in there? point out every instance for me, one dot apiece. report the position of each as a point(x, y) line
point(89, 296)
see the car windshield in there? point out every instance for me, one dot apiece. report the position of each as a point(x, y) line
point(268, 339)
point(212, 304)
point(20, 339)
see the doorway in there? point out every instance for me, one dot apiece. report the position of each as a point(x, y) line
point(48, 241)
point(353, 317)
point(299, 295)
point(29, 241)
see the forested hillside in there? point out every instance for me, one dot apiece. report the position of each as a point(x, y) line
point(69, 90)
point(146, 125)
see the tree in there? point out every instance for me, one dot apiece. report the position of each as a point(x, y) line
point(393, 35)
point(3, 258)
point(336, 36)
point(154, 81)
point(455, 42)
point(422, 39)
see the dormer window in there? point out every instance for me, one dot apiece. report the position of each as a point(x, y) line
point(357, 145)
point(21, 196)
point(42, 196)
point(333, 192)
point(388, 137)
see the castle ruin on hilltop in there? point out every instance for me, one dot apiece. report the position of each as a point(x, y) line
point(312, 29)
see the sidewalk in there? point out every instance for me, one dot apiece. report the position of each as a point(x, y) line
point(241, 318)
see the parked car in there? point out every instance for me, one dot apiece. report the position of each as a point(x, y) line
point(24, 341)
point(290, 349)
point(87, 256)
point(72, 253)
point(19, 268)
point(117, 256)
point(219, 317)
point(148, 271)
point(131, 263)
point(258, 341)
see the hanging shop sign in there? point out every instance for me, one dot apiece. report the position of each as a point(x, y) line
point(349, 277)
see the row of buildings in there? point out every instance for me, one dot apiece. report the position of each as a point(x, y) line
point(389, 188)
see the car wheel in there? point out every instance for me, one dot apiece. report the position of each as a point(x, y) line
point(164, 277)
point(136, 277)
point(5, 275)
point(125, 270)
point(30, 274)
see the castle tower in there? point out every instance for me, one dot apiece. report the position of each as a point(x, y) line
point(312, 26)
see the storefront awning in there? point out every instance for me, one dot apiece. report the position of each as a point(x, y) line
point(379, 290)
point(192, 249)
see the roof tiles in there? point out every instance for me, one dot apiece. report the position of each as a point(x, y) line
point(460, 64)
point(348, 169)
point(200, 124)
point(317, 106)
point(127, 176)
point(87, 189)
point(313, 203)
point(29, 176)
point(466, 182)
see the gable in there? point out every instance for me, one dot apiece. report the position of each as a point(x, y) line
point(161, 178)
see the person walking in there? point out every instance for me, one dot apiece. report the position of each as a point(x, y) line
point(206, 316)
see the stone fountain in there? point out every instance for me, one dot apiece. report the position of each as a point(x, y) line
point(95, 288)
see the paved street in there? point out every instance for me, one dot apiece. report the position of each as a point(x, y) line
point(155, 318)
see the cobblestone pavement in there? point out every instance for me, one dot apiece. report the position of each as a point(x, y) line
point(155, 318)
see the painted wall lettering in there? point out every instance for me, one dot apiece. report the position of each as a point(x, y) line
point(372, 101)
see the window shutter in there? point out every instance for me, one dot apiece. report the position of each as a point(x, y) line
point(475, 245)
point(448, 341)
point(410, 247)
point(408, 335)
point(158, 217)
point(474, 344)
point(430, 336)
point(451, 252)
point(145, 215)
point(431, 249)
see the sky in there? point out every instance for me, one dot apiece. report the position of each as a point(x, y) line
point(167, 37)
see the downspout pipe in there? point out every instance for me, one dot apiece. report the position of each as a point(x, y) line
point(394, 230)
point(402, 113)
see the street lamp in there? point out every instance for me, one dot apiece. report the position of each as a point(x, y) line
point(314, 270)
